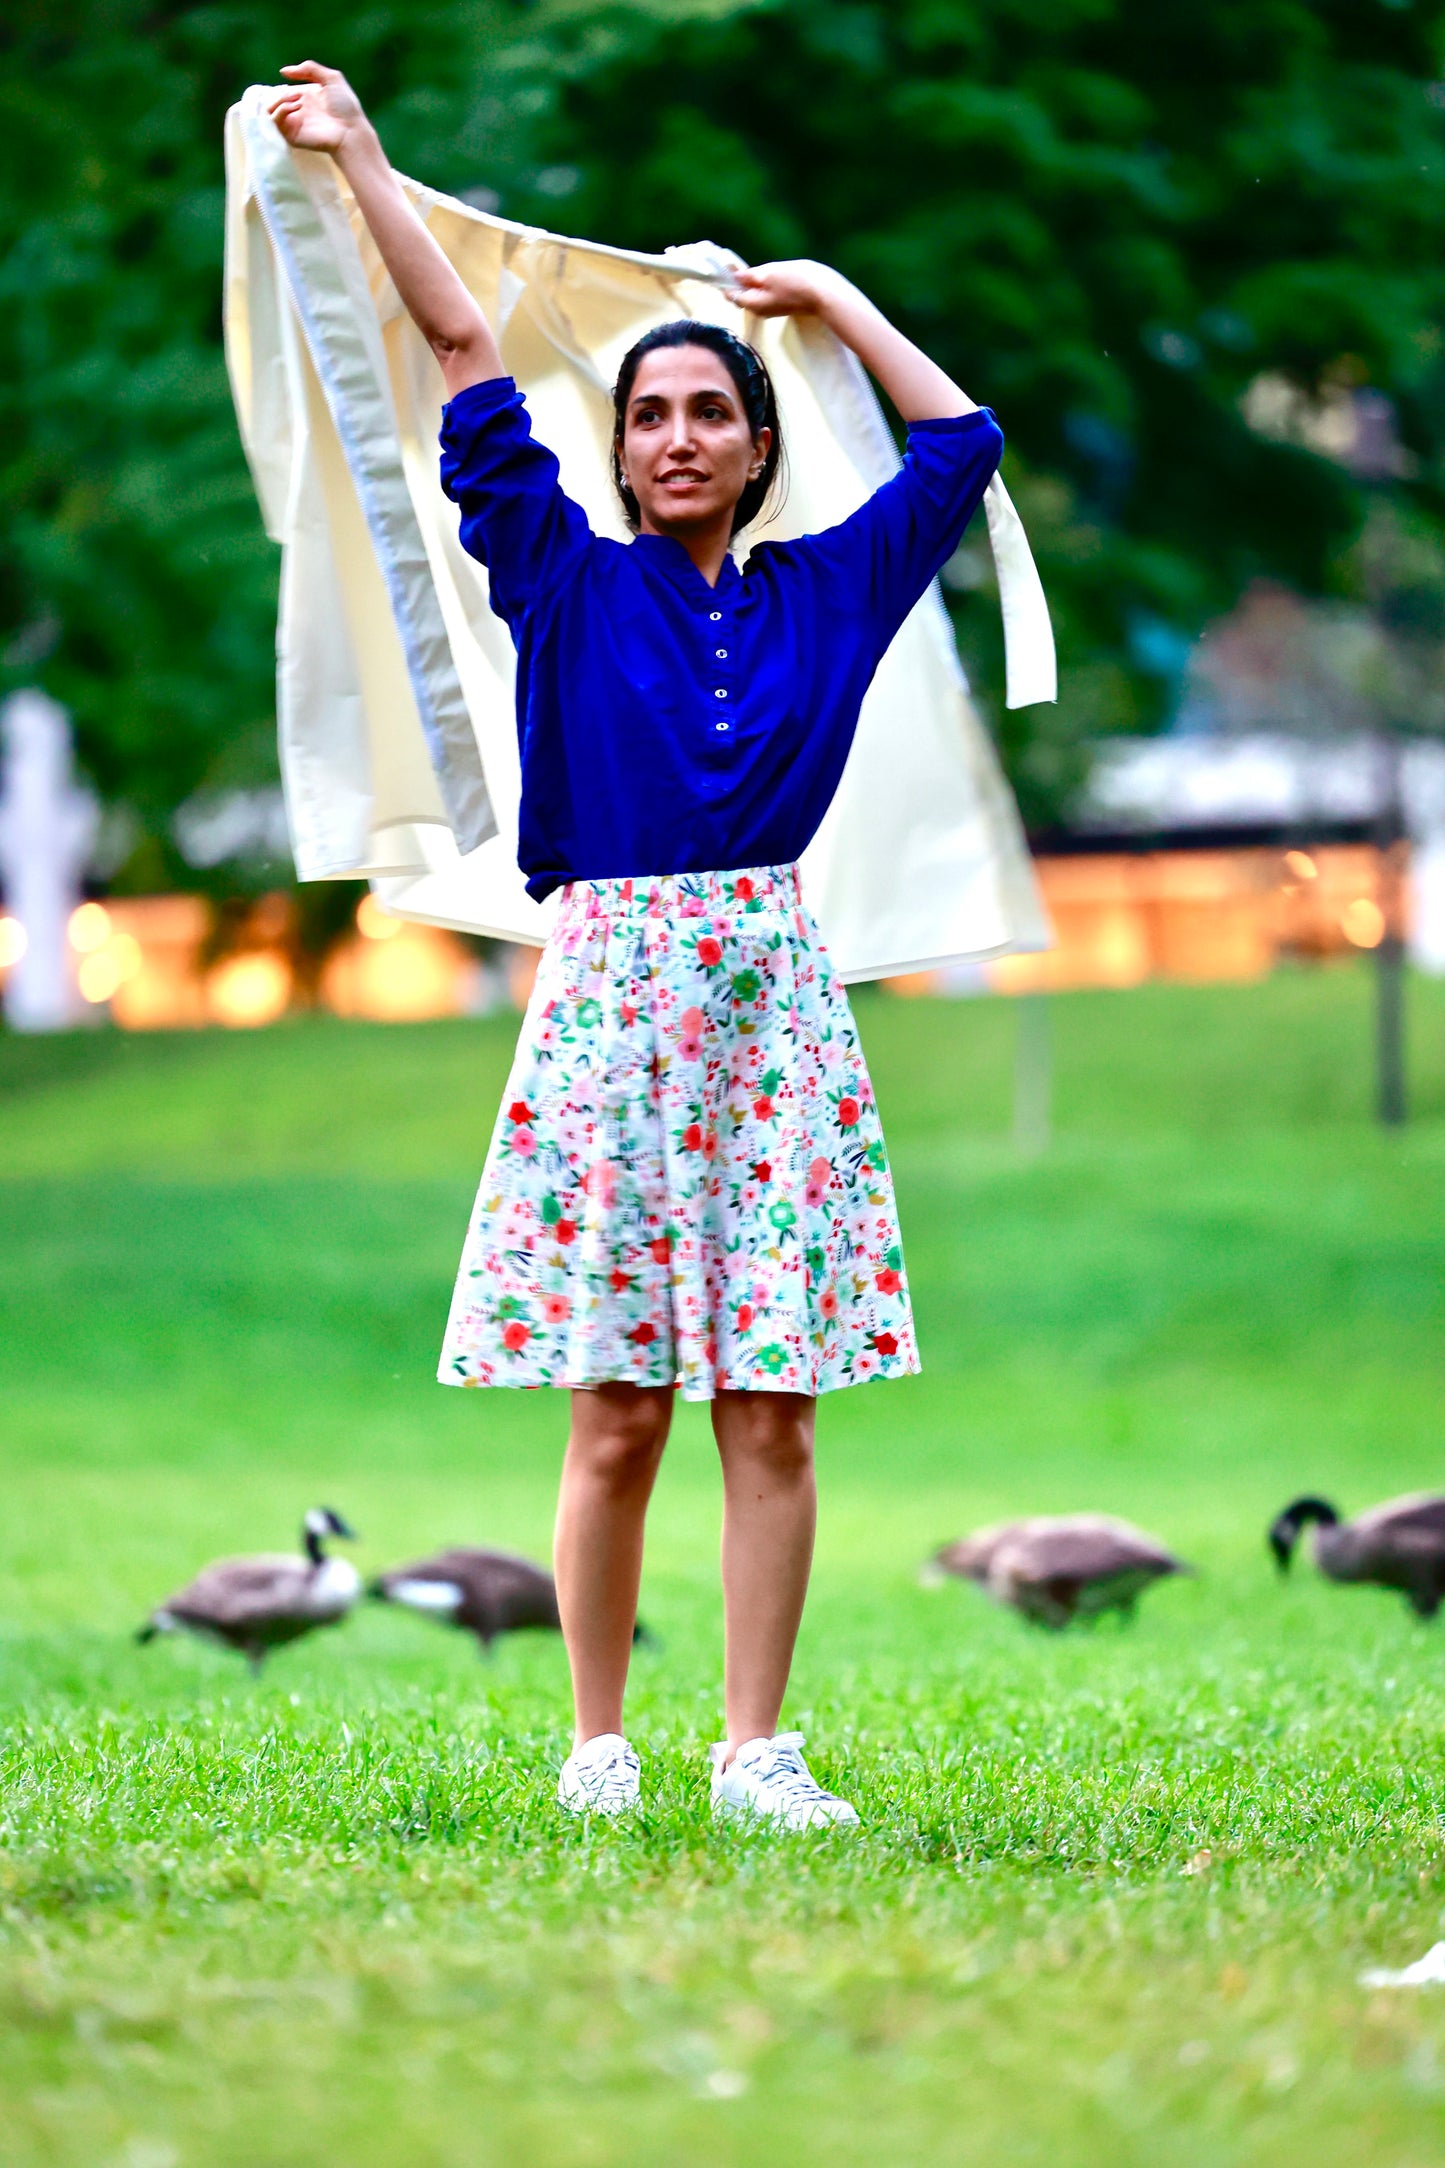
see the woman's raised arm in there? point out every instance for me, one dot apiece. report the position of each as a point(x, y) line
point(921, 391)
point(321, 112)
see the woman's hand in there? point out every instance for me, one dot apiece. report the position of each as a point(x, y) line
point(320, 111)
point(800, 288)
point(919, 389)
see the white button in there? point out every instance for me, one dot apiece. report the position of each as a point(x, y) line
point(721, 653)
point(716, 616)
point(719, 726)
point(720, 692)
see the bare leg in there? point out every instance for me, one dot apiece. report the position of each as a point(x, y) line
point(770, 1511)
point(616, 1441)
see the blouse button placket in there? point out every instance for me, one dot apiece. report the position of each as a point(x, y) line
point(721, 648)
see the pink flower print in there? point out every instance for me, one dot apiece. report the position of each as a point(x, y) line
point(629, 1013)
point(763, 1107)
point(556, 1309)
point(689, 1049)
point(709, 1145)
point(863, 1366)
point(709, 950)
point(691, 907)
point(600, 1182)
point(828, 1302)
point(848, 1111)
point(524, 1142)
point(813, 1195)
point(820, 1174)
point(691, 1022)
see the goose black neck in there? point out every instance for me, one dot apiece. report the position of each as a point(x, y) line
point(1284, 1534)
point(314, 1548)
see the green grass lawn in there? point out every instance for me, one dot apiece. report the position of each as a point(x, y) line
point(1113, 1891)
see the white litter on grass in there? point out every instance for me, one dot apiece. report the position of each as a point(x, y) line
point(1427, 1971)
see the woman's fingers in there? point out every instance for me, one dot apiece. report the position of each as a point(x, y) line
point(311, 71)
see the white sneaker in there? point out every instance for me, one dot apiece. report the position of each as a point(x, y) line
point(769, 1778)
point(602, 1777)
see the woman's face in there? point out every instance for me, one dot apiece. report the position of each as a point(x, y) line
point(687, 450)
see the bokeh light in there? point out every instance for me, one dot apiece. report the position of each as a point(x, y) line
point(13, 942)
point(1364, 923)
point(89, 930)
point(248, 990)
point(374, 924)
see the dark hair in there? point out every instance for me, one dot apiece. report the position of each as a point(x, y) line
point(754, 387)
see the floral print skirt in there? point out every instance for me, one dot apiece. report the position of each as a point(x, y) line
point(687, 1183)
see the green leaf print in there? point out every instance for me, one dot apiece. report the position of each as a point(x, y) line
point(551, 1211)
point(747, 985)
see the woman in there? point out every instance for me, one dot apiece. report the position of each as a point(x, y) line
point(687, 1183)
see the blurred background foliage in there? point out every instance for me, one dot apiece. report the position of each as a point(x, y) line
point(1109, 218)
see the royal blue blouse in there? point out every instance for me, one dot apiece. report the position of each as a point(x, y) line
point(671, 727)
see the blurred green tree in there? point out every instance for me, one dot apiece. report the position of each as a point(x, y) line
point(1108, 217)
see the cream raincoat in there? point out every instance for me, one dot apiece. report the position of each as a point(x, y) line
point(395, 680)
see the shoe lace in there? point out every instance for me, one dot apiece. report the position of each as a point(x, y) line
point(610, 1777)
point(784, 1770)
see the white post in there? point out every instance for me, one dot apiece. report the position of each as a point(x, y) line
point(47, 827)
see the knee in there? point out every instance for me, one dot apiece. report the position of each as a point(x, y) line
point(621, 1443)
point(770, 1435)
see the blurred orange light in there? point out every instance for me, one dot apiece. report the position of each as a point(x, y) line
point(1364, 923)
point(374, 924)
point(13, 942)
point(1301, 865)
point(98, 976)
point(89, 930)
point(248, 990)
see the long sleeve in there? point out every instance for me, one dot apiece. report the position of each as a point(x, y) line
point(517, 519)
point(887, 551)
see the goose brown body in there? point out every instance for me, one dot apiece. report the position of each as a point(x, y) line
point(1399, 1544)
point(486, 1592)
point(258, 1603)
point(1058, 1568)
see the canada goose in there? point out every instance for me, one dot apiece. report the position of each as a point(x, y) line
point(254, 1604)
point(1400, 1544)
point(1057, 1569)
point(487, 1592)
